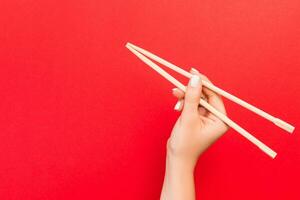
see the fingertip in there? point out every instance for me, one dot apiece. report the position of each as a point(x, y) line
point(178, 105)
point(202, 111)
point(195, 81)
point(173, 91)
point(194, 71)
point(205, 78)
point(177, 93)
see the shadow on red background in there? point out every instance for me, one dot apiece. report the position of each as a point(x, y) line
point(82, 118)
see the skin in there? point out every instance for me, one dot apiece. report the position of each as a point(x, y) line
point(194, 131)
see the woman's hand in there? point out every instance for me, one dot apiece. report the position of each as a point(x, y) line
point(195, 130)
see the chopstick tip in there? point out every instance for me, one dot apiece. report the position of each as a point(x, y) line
point(273, 155)
point(284, 125)
point(128, 44)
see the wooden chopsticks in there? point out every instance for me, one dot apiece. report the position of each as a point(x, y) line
point(139, 53)
point(280, 123)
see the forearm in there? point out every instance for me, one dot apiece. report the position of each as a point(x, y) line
point(179, 179)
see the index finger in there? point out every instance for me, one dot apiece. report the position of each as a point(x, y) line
point(214, 99)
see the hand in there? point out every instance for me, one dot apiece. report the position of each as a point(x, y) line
point(196, 129)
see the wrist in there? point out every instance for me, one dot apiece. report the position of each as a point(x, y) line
point(180, 163)
point(180, 157)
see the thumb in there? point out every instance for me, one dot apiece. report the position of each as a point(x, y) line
point(192, 95)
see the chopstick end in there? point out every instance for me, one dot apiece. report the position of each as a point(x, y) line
point(273, 155)
point(280, 123)
point(127, 44)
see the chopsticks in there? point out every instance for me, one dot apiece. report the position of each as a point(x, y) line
point(141, 53)
point(206, 105)
point(278, 122)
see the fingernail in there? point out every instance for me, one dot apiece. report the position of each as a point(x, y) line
point(178, 105)
point(174, 89)
point(194, 70)
point(195, 81)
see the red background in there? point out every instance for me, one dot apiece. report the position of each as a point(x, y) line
point(83, 118)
